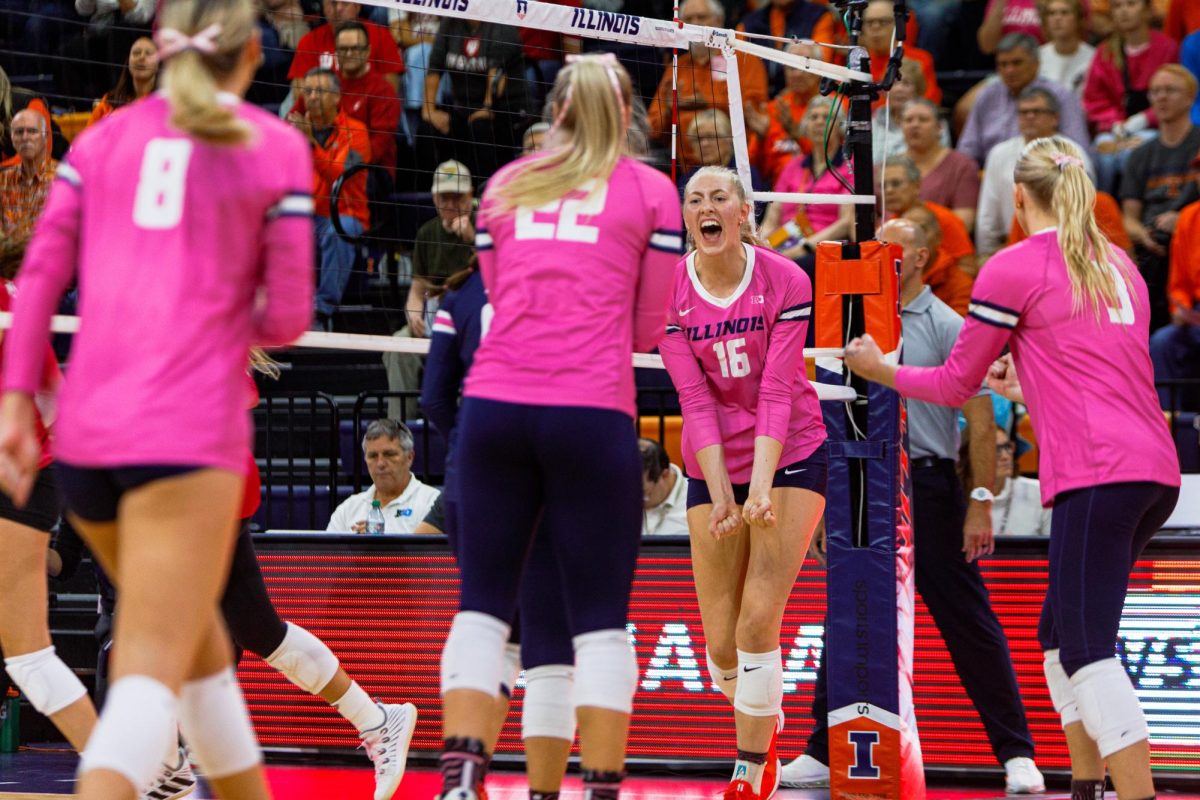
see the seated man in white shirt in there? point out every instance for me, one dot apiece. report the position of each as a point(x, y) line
point(664, 492)
point(404, 500)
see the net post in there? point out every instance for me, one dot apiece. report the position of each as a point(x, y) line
point(873, 746)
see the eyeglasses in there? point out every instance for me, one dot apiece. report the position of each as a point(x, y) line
point(1005, 449)
point(357, 48)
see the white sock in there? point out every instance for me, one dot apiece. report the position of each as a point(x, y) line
point(359, 709)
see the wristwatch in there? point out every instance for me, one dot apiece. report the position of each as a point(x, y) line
point(982, 494)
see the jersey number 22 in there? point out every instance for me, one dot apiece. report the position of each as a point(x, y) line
point(566, 226)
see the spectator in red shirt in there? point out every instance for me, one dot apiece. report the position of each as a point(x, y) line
point(1183, 17)
point(318, 47)
point(366, 95)
point(339, 143)
point(1115, 92)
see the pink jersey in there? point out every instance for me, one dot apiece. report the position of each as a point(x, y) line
point(1087, 381)
point(187, 254)
point(576, 287)
point(738, 363)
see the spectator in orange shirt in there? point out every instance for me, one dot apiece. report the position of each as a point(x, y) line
point(139, 77)
point(701, 78)
point(878, 26)
point(1175, 348)
point(953, 264)
point(339, 142)
point(24, 185)
point(784, 138)
point(791, 19)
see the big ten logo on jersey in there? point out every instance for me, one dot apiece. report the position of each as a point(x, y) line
point(864, 743)
point(561, 220)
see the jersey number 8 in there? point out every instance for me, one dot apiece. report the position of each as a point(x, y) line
point(158, 204)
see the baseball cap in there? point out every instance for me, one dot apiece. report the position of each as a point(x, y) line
point(451, 176)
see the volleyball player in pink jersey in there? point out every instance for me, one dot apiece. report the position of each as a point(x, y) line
point(188, 222)
point(1075, 312)
point(575, 248)
point(753, 446)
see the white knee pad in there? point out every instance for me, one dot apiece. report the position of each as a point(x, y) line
point(139, 715)
point(1108, 706)
point(216, 725)
point(605, 670)
point(512, 668)
point(724, 679)
point(759, 683)
point(473, 657)
point(304, 660)
point(547, 710)
point(42, 677)
point(1061, 693)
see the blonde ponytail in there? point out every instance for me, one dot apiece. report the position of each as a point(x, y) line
point(748, 232)
point(190, 75)
point(589, 134)
point(1052, 171)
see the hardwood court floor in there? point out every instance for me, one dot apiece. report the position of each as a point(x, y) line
point(48, 775)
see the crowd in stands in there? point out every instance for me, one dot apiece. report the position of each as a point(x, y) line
point(400, 92)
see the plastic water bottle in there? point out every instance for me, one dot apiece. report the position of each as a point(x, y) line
point(375, 523)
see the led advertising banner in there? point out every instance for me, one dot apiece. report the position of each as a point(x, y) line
point(384, 607)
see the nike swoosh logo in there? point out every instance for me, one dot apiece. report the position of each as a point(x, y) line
point(685, 313)
point(751, 669)
point(728, 677)
point(794, 471)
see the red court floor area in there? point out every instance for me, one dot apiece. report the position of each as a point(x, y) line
point(47, 774)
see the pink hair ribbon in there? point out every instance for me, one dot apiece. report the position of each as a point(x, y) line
point(172, 42)
point(1062, 160)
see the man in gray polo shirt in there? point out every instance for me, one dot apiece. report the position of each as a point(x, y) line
point(949, 535)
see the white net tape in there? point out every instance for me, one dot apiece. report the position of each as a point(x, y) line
point(404, 344)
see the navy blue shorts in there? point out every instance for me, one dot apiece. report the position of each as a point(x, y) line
point(1096, 536)
point(546, 638)
point(93, 493)
point(811, 473)
point(570, 474)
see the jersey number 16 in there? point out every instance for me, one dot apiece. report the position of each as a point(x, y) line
point(734, 361)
